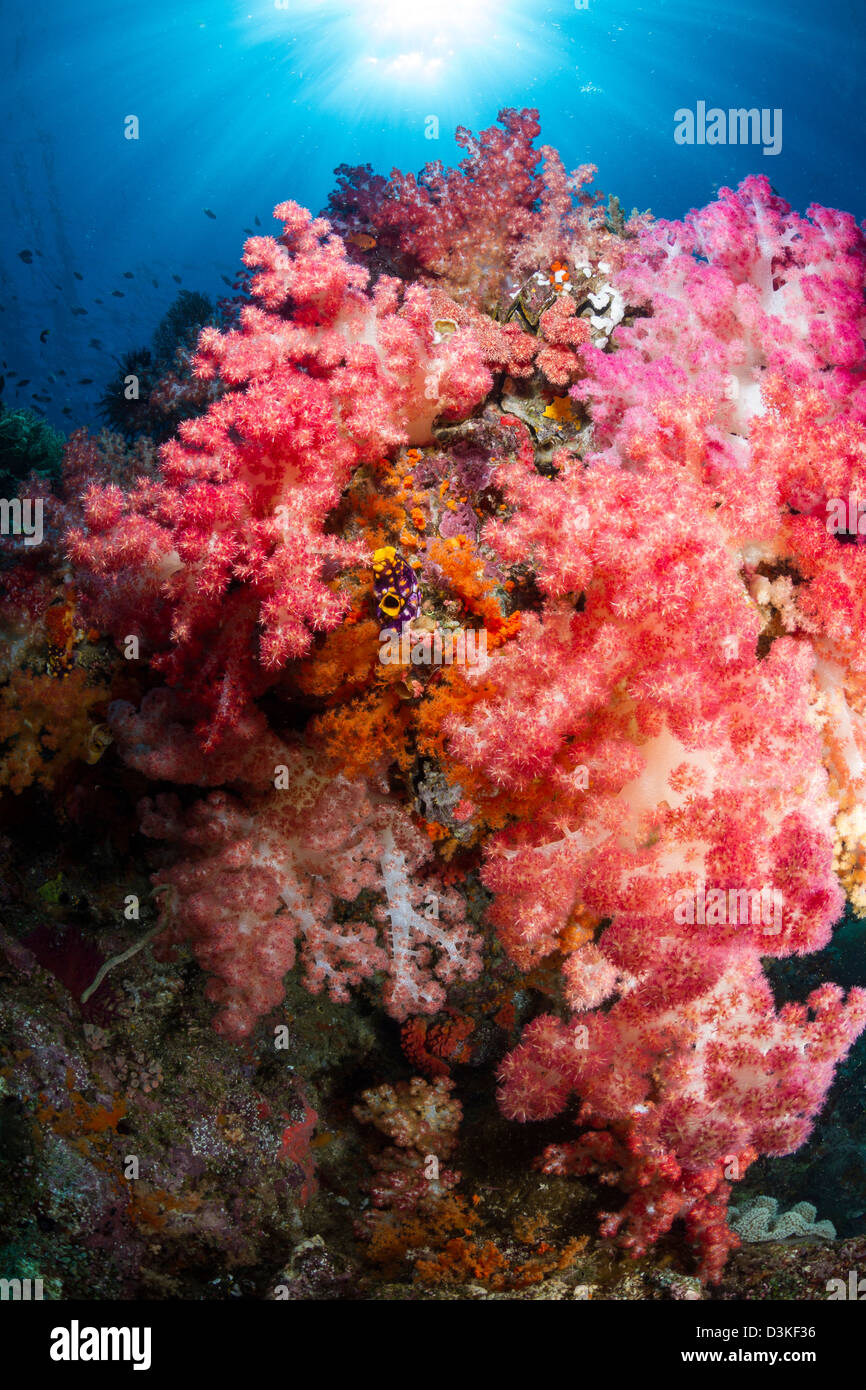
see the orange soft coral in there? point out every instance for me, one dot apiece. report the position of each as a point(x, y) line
point(463, 568)
point(46, 723)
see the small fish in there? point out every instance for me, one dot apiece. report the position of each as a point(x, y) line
point(226, 281)
point(118, 294)
point(46, 400)
point(85, 381)
point(97, 301)
point(177, 279)
point(61, 371)
point(77, 275)
point(155, 284)
point(79, 312)
point(207, 212)
point(257, 222)
point(362, 241)
point(26, 257)
point(95, 343)
point(128, 275)
point(66, 410)
point(43, 336)
point(2, 384)
point(248, 231)
point(25, 382)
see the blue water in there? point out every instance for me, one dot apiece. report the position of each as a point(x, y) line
point(242, 105)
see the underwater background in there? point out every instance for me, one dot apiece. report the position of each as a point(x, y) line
point(242, 106)
point(141, 148)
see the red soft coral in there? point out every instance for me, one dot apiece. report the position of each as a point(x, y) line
point(229, 550)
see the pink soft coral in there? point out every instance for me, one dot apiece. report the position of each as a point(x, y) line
point(259, 875)
point(688, 728)
point(228, 549)
point(438, 225)
point(738, 291)
point(683, 1082)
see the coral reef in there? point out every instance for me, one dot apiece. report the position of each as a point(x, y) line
point(58, 675)
point(154, 387)
point(478, 664)
point(27, 445)
point(421, 1120)
point(760, 1220)
point(268, 871)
